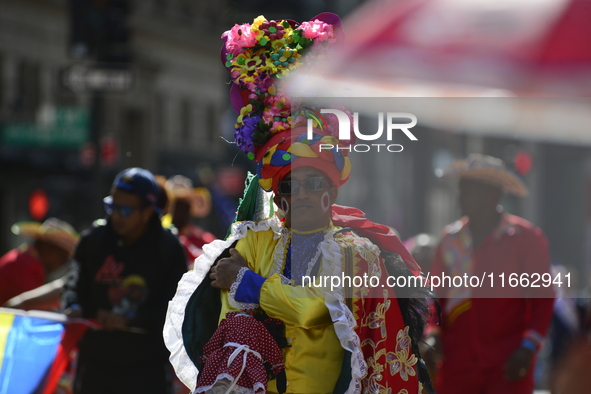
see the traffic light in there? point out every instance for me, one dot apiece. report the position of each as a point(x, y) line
point(38, 204)
point(99, 30)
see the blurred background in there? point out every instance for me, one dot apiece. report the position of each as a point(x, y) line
point(90, 87)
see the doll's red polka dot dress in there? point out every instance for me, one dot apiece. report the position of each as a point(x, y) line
point(235, 354)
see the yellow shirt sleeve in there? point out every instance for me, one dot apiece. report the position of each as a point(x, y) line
point(299, 306)
point(295, 305)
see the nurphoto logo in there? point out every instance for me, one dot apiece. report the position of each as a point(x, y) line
point(345, 131)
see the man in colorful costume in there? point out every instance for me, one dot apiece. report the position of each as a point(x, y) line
point(489, 335)
point(342, 339)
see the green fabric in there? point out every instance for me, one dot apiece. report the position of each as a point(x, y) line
point(345, 377)
point(200, 320)
point(248, 203)
point(201, 316)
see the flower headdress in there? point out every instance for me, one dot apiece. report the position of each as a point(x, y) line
point(259, 56)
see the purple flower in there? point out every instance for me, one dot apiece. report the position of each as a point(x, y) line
point(243, 134)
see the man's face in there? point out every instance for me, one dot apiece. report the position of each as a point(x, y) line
point(129, 213)
point(309, 206)
point(477, 198)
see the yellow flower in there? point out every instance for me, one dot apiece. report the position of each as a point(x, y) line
point(288, 31)
point(244, 111)
point(246, 78)
point(259, 35)
point(252, 63)
point(278, 44)
point(256, 24)
point(270, 67)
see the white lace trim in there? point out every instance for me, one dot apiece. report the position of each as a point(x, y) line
point(234, 289)
point(342, 317)
point(280, 254)
point(328, 237)
point(285, 280)
point(258, 386)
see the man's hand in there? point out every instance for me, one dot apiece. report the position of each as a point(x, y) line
point(519, 364)
point(224, 273)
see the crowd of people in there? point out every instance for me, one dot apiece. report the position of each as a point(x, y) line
point(236, 314)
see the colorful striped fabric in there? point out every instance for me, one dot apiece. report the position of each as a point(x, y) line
point(29, 343)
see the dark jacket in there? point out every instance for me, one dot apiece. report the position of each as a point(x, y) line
point(134, 280)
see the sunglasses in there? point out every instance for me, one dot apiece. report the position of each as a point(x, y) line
point(312, 184)
point(125, 210)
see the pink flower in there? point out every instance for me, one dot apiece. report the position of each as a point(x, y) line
point(277, 112)
point(278, 105)
point(239, 37)
point(318, 30)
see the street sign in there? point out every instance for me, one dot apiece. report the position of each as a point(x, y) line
point(64, 126)
point(97, 78)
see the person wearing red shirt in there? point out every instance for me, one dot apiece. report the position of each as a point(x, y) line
point(489, 335)
point(33, 264)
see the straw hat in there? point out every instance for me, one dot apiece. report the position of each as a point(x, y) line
point(181, 187)
point(487, 169)
point(53, 230)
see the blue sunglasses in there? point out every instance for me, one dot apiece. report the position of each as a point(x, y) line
point(125, 210)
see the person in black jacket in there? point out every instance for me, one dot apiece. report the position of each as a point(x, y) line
point(128, 269)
